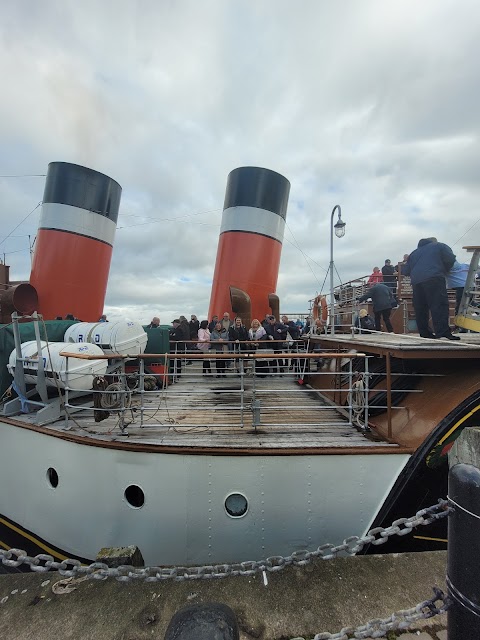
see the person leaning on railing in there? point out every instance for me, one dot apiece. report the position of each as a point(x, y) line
point(277, 331)
point(382, 300)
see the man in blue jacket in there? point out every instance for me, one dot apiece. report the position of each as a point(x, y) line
point(427, 267)
point(456, 279)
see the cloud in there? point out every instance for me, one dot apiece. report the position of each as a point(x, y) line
point(370, 105)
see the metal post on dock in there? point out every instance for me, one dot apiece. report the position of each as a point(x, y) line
point(339, 228)
point(463, 572)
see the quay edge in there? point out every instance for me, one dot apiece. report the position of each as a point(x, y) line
point(324, 596)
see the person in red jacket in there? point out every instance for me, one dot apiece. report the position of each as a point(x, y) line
point(375, 277)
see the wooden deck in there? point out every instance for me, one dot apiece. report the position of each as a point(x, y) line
point(271, 416)
point(202, 414)
point(404, 345)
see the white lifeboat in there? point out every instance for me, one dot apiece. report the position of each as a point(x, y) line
point(123, 337)
point(80, 372)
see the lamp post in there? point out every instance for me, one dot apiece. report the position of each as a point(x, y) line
point(339, 228)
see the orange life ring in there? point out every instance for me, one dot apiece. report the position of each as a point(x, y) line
point(320, 309)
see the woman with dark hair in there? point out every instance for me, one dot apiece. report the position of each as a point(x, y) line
point(204, 345)
point(238, 336)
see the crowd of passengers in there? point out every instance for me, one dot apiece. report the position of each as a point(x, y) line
point(230, 337)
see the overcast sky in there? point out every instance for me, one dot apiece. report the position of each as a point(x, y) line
point(370, 104)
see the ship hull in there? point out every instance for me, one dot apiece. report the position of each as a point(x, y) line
point(293, 502)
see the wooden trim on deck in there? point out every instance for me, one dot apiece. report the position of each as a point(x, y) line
point(69, 436)
point(403, 346)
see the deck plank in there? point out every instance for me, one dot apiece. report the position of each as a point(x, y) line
point(203, 412)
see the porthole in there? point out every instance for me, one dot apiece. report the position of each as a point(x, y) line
point(134, 496)
point(52, 477)
point(236, 505)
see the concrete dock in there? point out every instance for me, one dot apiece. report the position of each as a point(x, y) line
point(296, 603)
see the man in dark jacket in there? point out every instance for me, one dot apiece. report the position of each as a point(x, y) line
point(292, 328)
point(427, 267)
point(383, 301)
point(390, 276)
point(276, 331)
point(193, 326)
point(184, 331)
point(176, 337)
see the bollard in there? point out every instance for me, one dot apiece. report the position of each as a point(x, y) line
point(463, 572)
point(211, 621)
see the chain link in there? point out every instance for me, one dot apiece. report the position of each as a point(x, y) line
point(126, 573)
point(403, 619)
point(375, 628)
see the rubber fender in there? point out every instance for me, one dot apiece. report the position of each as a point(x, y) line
point(210, 621)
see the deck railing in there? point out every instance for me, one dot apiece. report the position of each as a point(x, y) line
point(260, 389)
point(347, 306)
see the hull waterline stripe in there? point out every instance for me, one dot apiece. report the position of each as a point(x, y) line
point(35, 541)
point(432, 539)
point(457, 424)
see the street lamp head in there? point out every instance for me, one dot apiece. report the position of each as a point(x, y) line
point(339, 227)
point(339, 232)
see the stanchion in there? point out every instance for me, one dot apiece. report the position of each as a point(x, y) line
point(463, 577)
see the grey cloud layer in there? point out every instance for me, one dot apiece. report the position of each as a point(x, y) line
point(372, 105)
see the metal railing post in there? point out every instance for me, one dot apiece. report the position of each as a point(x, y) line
point(141, 384)
point(241, 367)
point(463, 572)
point(350, 393)
point(67, 391)
point(366, 390)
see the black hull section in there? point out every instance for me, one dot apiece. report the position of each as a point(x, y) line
point(423, 482)
point(13, 536)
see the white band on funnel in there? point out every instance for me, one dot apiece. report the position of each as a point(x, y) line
point(253, 220)
point(64, 217)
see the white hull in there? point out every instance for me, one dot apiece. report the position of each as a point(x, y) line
point(294, 501)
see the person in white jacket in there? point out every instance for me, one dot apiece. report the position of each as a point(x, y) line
point(204, 345)
point(259, 340)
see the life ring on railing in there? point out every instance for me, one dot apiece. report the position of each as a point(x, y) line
point(320, 309)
